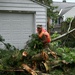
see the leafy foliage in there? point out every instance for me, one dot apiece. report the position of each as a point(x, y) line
point(45, 2)
point(68, 20)
point(51, 9)
point(56, 44)
point(35, 43)
point(63, 65)
point(10, 58)
point(70, 38)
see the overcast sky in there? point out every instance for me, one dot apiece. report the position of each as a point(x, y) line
point(66, 0)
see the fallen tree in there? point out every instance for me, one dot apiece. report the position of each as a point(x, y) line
point(64, 35)
point(33, 60)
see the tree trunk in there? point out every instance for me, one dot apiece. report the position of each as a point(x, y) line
point(28, 69)
point(48, 24)
point(41, 56)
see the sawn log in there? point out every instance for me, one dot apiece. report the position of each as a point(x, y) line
point(28, 69)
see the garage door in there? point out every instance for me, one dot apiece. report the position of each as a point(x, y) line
point(16, 28)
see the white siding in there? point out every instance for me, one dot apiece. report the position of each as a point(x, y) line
point(16, 28)
point(26, 5)
point(18, 35)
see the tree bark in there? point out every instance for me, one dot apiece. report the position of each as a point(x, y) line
point(48, 25)
point(41, 56)
point(28, 69)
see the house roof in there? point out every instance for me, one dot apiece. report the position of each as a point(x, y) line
point(65, 10)
point(65, 6)
point(40, 3)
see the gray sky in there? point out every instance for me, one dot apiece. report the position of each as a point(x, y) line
point(66, 0)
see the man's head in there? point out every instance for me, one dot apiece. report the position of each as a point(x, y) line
point(39, 28)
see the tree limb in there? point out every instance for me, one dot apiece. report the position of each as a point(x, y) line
point(63, 35)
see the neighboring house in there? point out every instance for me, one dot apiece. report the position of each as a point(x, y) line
point(19, 19)
point(66, 10)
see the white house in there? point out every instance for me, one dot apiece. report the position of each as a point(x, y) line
point(18, 20)
point(66, 10)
